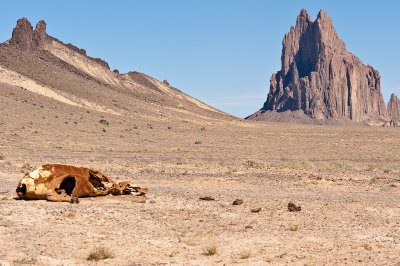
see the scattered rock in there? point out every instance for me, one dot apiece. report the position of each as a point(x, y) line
point(116, 71)
point(197, 142)
point(165, 82)
point(203, 129)
point(169, 128)
point(248, 227)
point(255, 210)
point(207, 198)
point(293, 208)
point(237, 202)
point(152, 201)
point(104, 122)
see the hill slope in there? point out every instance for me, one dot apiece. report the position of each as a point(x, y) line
point(40, 75)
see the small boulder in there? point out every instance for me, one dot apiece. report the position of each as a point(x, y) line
point(207, 198)
point(237, 202)
point(293, 208)
point(255, 210)
point(104, 122)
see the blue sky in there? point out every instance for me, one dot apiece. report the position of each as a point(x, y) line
point(222, 52)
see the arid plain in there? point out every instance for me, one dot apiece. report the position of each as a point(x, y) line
point(346, 180)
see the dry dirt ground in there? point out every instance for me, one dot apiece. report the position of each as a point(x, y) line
point(346, 180)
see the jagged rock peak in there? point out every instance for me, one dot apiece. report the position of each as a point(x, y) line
point(303, 17)
point(25, 38)
point(40, 35)
point(321, 78)
point(22, 34)
point(321, 14)
point(394, 108)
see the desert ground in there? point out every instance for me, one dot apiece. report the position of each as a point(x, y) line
point(345, 178)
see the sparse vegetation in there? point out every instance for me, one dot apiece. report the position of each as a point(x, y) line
point(370, 167)
point(210, 250)
point(100, 253)
point(6, 223)
point(26, 166)
point(25, 260)
point(245, 254)
point(293, 227)
point(253, 164)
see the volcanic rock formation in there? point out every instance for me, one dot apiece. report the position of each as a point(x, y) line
point(321, 78)
point(394, 110)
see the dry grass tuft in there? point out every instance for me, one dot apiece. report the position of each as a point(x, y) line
point(293, 227)
point(210, 250)
point(25, 260)
point(245, 254)
point(100, 253)
point(370, 167)
point(6, 223)
point(253, 164)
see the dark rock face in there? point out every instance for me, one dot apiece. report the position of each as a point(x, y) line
point(29, 40)
point(39, 37)
point(22, 35)
point(394, 109)
point(321, 78)
point(25, 38)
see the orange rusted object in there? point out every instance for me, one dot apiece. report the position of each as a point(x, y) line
point(57, 182)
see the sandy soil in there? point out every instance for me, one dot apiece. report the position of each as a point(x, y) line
point(349, 197)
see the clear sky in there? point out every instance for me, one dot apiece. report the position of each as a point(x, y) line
point(222, 52)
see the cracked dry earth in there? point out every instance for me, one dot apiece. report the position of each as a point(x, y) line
point(349, 208)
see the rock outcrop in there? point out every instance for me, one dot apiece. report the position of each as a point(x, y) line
point(394, 109)
point(321, 78)
point(27, 39)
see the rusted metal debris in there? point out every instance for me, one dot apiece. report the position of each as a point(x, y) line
point(57, 182)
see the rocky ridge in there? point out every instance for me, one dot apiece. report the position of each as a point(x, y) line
point(27, 39)
point(33, 62)
point(322, 79)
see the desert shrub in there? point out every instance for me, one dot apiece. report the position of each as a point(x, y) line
point(245, 254)
point(100, 253)
point(252, 164)
point(210, 250)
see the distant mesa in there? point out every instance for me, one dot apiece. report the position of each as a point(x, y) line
point(321, 82)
